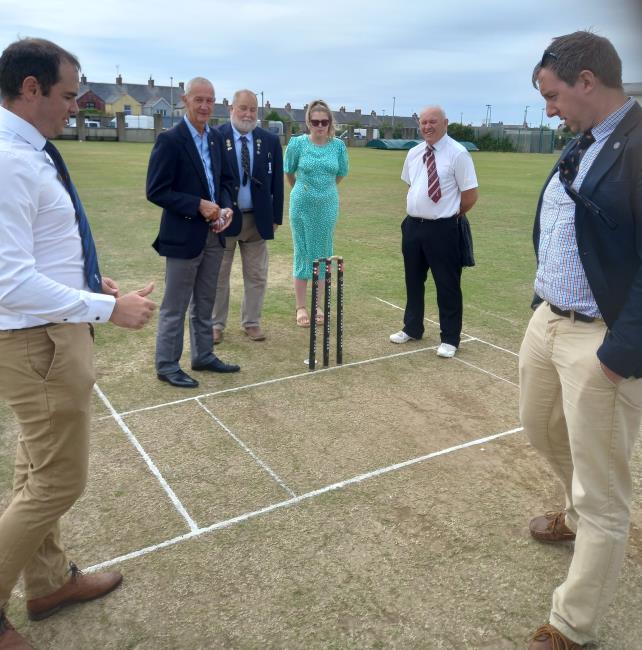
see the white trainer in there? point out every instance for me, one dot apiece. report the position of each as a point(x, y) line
point(446, 350)
point(400, 337)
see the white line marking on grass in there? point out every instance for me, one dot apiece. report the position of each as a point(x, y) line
point(513, 322)
point(277, 380)
point(303, 497)
point(471, 337)
point(247, 449)
point(150, 463)
point(487, 372)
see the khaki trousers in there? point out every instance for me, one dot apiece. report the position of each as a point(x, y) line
point(586, 427)
point(254, 259)
point(46, 377)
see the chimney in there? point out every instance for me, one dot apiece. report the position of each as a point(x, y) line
point(119, 80)
point(288, 107)
point(267, 105)
point(357, 111)
point(181, 85)
point(150, 82)
point(342, 109)
point(305, 108)
point(373, 113)
point(83, 79)
point(225, 102)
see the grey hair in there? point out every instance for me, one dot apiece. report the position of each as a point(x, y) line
point(197, 80)
point(240, 92)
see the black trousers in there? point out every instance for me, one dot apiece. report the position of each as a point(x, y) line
point(432, 245)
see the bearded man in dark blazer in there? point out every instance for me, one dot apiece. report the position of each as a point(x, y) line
point(256, 159)
point(189, 177)
point(581, 358)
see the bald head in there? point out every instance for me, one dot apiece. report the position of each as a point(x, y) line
point(433, 124)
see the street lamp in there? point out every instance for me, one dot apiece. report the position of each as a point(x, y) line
point(262, 106)
point(394, 99)
point(171, 100)
point(525, 114)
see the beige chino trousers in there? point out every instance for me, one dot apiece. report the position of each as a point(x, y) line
point(46, 377)
point(254, 259)
point(586, 427)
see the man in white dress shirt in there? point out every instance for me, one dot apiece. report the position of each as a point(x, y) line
point(51, 294)
point(442, 186)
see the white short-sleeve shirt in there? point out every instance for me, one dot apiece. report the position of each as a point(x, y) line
point(456, 175)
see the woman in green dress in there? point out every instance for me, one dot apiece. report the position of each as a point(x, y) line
point(314, 164)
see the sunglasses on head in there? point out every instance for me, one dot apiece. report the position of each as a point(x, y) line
point(319, 122)
point(548, 54)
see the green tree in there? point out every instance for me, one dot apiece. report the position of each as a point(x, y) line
point(460, 132)
point(273, 116)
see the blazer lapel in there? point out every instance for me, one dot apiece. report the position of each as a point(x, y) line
point(230, 151)
point(611, 151)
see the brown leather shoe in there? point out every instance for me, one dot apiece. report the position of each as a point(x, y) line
point(254, 333)
point(548, 637)
point(9, 638)
point(78, 589)
point(218, 336)
point(550, 528)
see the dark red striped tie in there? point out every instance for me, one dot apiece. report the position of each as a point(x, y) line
point(434, 191)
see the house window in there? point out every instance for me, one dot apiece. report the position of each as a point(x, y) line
point(127, 109)
point(161, 111)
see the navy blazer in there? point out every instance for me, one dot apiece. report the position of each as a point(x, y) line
point(266, 183)
point(608, 227)
point(176, 182)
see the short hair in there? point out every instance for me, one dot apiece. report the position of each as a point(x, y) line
point(320, 105)
point(242, 91)
point(197, 80)
point(32, 57)
point(568, 55)
point(434, 107)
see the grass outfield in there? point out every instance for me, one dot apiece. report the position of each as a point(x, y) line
point(383, 504)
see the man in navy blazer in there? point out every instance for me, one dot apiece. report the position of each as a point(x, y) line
point(581, 358)
point(188, 176)
point(256, 158)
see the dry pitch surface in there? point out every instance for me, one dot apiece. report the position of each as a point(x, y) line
point(382, 504)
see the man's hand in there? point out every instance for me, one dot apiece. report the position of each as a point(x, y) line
point(134, 310)
point(209, 210)
point(613, 377)
point(223, 221)
point(110, 287)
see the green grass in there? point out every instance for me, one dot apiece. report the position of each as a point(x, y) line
point(436, 555)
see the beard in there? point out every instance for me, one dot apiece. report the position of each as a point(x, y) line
point(244, 126)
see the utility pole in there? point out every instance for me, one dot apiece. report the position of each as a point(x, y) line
point(525, 114)
point(488, 114)
point(461, 119)
point(394, 99)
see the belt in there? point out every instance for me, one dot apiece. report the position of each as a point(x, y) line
point(573, 315)
point(246, 211)
point(424, 219)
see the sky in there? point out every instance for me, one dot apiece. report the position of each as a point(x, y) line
point(382, 56)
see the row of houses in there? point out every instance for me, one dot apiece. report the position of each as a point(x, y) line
point(107, 99)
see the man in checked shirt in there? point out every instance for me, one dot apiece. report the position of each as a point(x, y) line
point(581, 359)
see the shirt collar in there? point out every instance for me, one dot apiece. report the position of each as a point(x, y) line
point(22, 128)
point(238, 134)
point(440, 143)
point(604, 129)
point(194, 131)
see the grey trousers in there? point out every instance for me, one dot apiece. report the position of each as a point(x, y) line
point(188, 283)
point(254, 259)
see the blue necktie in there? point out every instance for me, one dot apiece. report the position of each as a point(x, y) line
point(92, 272)
point(570, 164)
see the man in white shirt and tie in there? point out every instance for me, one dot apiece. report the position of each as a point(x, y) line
point(442, 186)
point(51, 294)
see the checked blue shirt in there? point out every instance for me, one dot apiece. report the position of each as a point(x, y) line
point(560, 277)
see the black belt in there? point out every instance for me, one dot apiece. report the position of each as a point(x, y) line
point(246, 211)
point(423, 219)
point(573, 315)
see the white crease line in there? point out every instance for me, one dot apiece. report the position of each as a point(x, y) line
point(514, 323)
point(247, 449)
point(471, 337)
point(308, 495)
point(276, 380)
point(487, 372)
point(150, 463)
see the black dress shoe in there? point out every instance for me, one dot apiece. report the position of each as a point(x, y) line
point(179, 378)
point(218, 366)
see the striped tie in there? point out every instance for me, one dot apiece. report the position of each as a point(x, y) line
point(92, 272)
point(434, 191)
